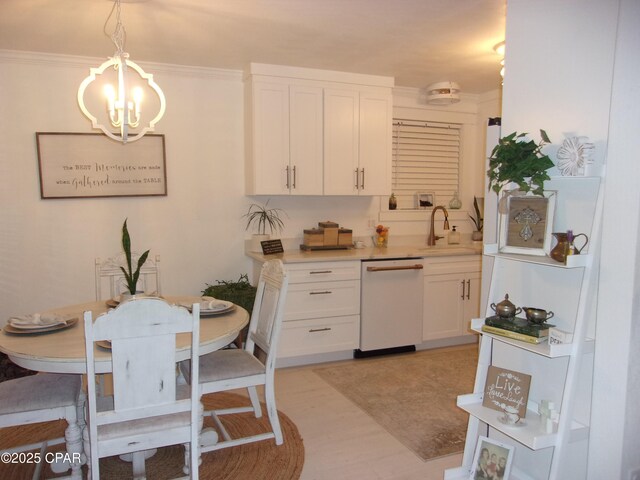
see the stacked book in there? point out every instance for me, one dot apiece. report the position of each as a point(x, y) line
point(517, 328)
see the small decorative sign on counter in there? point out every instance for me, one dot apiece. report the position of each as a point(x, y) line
point(271, 246)
point(506, 388)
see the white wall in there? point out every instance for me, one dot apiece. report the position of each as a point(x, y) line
point(48, 247)
point(560, 64)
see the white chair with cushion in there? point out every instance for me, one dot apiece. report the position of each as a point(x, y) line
point(109, 277)
point(41, 398)
point(148, 410)
point(252, 366)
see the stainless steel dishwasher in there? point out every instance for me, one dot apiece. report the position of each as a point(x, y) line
point(390, 306)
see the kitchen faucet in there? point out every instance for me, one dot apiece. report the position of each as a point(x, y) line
point(432, 237)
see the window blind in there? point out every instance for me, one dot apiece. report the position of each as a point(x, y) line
point(426, 159)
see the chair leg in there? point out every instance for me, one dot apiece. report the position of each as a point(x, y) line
point(255, 401)
point(272, 411)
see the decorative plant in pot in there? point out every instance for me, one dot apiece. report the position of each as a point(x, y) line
point(263, 217)
point(131, 277)
point(515, 160)
point(478, 221)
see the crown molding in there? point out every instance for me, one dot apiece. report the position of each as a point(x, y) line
point(74, 61)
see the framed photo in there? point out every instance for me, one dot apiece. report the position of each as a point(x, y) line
point(492, 460)
point(425, 199)
point(526, 222)
point(80, 165)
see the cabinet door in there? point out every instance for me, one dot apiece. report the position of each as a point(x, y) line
point(471, 301)
point(375, 142)
point(305, 140)
point(270, 139)
point(443, 306)
point(341, 131)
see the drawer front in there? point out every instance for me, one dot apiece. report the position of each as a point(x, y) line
point(322, 271)
point(322, 299)
point(320, 335)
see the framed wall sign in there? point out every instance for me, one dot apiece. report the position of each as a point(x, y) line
point(492, 459)
point(506, 388)
point(77, 165)
point(526, 222)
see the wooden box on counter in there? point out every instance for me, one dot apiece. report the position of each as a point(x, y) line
point(345, 237)
point(314, 237)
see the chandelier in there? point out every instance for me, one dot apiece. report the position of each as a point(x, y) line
point(123, 101)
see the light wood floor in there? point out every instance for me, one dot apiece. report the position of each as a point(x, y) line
point(340, 440)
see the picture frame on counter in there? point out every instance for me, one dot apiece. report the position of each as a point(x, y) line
point(425, 200)
point(526, 222)
point(492, 459)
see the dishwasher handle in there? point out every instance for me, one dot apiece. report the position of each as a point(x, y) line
point(417, 266)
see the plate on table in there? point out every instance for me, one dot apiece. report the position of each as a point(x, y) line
point(33, 329)
point(105, 344)
point(112, 302)
point(221, 306)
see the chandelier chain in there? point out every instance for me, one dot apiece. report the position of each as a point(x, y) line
point(119, 35)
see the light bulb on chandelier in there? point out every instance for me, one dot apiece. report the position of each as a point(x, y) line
point(124, 104)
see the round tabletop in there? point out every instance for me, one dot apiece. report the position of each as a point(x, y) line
point(62, 351)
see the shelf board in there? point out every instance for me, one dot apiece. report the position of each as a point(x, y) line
point(544, 349)
point(529, 434)
point(463, 473)
point(573, 261)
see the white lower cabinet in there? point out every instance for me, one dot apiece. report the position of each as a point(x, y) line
point(322, 312)
point(451, 296)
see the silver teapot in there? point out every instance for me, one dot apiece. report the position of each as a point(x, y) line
point(505, 308)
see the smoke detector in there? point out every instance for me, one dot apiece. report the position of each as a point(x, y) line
point(443, 93)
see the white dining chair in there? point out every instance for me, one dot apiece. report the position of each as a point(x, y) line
point(109, 277)
point(41, 398)
point(148, 410)
point(251, 366)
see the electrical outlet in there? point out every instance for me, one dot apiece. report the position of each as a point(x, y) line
point(634, 474)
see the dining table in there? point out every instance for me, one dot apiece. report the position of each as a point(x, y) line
point(61, 349)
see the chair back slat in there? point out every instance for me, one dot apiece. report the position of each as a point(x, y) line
point(268, 309)
point(110, 279)
point(142, 333)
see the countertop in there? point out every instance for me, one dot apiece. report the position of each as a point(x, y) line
point(372, 253)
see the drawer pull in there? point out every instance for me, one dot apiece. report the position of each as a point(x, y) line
point(417, 266)
point(326, 292)
point(325, 329)
point(320, 271)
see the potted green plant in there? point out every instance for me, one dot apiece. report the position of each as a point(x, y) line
point(478, 221)
point(240, 292)
point(263, 218)
point(515, 160)
point(131, 277)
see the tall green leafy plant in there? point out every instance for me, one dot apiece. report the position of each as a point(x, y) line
point(478, 221)
point(130, 276)
point(515, 160)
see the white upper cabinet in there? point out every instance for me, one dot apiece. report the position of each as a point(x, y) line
point(376, 118)
point(305, 140)
point(315, 132)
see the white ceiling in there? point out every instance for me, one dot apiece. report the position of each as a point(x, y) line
point(418, 42)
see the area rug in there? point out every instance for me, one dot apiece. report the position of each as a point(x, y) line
point(412, 395)
point(259, 460)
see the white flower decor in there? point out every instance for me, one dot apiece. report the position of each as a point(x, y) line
point(573, 155)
